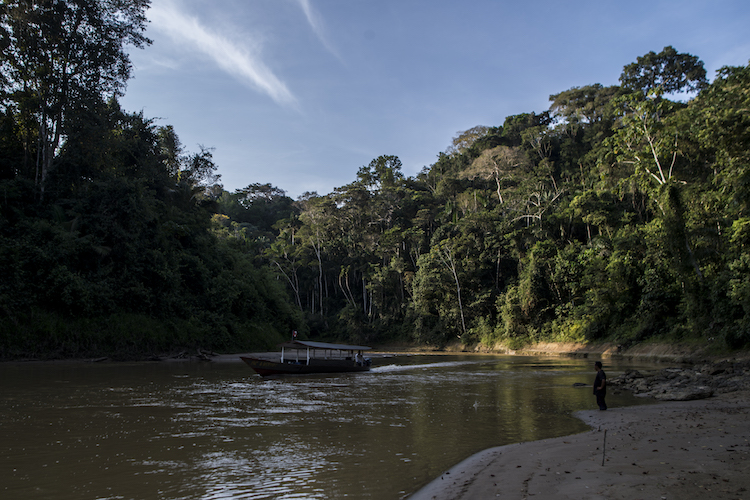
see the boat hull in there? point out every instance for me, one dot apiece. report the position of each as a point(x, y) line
point(267, 367)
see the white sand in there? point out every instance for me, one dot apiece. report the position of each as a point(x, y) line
point(676, 450)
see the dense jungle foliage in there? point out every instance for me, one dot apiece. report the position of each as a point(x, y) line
point(620, 213)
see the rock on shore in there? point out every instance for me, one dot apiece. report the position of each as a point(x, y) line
point(687, 383)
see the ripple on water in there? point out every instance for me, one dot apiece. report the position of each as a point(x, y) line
point(263, 474)
point(220, 432)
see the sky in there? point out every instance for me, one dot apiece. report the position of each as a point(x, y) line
point(303, 93)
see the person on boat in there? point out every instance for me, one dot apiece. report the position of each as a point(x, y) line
point(600, 385)
point(359, 359)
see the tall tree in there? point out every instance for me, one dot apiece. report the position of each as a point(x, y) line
point(500, 164)
point(587, 104)
point(669, 71)
point(446, 255)
point(465, 139)
point(59, 55)
point(317, 216)
point(720, 119)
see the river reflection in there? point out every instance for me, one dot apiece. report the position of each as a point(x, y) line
point(217, 431)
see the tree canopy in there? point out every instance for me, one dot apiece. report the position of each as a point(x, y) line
point(617, 214)
point(668, 71)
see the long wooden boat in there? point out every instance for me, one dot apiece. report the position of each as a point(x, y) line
point(311, 357)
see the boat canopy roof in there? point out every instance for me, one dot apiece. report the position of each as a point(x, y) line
point(305, 344)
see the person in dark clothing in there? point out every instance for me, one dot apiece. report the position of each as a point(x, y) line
point(600, 386)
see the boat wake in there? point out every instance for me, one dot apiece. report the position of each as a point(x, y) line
point(424, 366)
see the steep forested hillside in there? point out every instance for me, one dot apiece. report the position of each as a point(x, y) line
point(106, 239)
point(619, 213)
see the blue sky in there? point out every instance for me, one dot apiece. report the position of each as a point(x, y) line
point(302, 93)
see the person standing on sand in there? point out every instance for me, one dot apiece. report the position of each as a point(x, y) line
point(600, 385)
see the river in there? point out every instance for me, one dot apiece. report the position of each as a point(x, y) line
point(189, 430)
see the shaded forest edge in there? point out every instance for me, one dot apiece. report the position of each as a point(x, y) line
point(619, 215)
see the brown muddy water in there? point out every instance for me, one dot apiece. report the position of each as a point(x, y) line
point(218, 431)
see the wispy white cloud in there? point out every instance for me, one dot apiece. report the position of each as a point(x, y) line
point(316, 23)
point(241, 60)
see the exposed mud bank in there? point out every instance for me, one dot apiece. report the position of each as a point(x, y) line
point(667, 353)
point(653, 352)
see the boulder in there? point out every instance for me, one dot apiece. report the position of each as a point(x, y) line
point(685, 394)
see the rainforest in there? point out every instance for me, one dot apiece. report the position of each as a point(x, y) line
point(621, 213)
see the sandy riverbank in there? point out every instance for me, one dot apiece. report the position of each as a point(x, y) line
point(676, 450)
